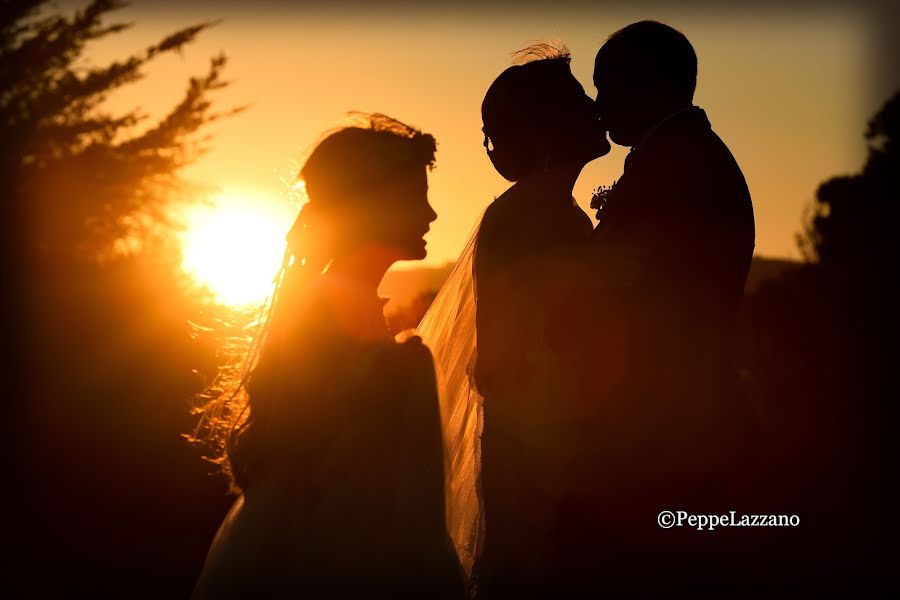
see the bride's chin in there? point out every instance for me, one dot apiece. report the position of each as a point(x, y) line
point(600, 148)
point(603, 149)
point(418, 252)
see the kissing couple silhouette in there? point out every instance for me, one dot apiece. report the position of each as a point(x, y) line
point(566, 385)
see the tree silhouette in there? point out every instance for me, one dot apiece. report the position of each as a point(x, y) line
point(78, 179)
point(851, 223)
point(818, 344)
point(850, 237)
point(106, 494)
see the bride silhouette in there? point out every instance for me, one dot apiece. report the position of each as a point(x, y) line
point(503, 382)
point(336, 447)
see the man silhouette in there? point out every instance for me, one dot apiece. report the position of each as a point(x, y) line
point(683, 202)
point(674, 426)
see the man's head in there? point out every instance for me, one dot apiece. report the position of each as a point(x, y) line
point(643, 73)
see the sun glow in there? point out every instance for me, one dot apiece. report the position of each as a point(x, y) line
point(235, 247)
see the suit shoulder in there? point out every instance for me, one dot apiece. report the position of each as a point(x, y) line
point(699, 157)
point(718, 146)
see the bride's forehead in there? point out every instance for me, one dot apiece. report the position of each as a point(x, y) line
point(403, 183)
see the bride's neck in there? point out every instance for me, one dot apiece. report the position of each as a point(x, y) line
point(558, 180)
point(365, 266)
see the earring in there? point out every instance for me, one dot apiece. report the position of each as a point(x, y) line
point(547, 163)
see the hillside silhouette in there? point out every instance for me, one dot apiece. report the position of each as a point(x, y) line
point(412, 290)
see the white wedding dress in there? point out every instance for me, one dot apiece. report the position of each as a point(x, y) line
point(448, 328)
point(348, 498)
point(499, 378)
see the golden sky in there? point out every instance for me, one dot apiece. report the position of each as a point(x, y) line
point(787, 91)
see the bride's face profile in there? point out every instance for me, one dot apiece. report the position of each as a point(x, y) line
point(368, 187)
point(401, 215)
point(580, 129)
point(538, 115)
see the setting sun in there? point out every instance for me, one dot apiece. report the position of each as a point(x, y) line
point(235, 246)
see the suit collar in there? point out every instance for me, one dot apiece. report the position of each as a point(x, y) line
point(690, 116)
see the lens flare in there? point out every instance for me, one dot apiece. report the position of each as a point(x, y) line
point(234, 247)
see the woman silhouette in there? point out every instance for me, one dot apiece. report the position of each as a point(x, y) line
point(337, 444)
point(503, 390)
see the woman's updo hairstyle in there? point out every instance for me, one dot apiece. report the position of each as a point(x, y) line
point(344, 165)
point(350, 160)
point(521, 106)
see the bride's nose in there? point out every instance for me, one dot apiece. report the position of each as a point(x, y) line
point(430, 214)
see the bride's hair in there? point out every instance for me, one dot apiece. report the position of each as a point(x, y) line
point(518, 106)
point(340, 174)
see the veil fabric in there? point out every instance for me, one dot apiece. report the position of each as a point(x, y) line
point(448, 329)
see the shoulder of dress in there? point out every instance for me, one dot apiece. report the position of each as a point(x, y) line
point(408, 336)
point(508, 193)
point(410, 343)
point(494, 212)
point(414, 360)
point(512, 201)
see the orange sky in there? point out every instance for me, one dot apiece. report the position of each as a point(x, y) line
point(787, 92)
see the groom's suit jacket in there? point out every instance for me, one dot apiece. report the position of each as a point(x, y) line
point(682, 203)
point(681, 215)
point(679, 224)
